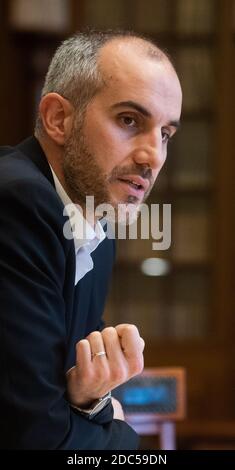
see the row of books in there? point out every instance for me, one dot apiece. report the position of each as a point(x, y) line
point(153, 16)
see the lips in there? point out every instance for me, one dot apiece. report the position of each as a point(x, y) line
point(136, 182)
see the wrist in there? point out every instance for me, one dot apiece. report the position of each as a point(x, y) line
point(93, 408)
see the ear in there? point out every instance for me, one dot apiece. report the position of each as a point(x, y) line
point(57, 116)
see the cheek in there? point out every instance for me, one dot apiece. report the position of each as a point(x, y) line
point(106, 146)
point(161, 164)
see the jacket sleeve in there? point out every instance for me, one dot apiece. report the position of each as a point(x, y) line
point(33, 407)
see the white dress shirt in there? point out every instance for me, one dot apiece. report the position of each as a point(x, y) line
point(91, 237)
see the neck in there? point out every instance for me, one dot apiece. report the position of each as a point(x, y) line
point(54, 156)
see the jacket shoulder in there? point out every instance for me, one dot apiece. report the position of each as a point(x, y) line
point(15, 166)
point(6, 150)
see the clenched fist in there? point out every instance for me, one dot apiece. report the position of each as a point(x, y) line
point(94, 375)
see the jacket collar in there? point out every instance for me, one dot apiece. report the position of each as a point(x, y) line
point(33, 150)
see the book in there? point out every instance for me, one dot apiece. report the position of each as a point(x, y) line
point(105, 13)
point(195, 68)
point(190, 231)
point(191, 164)
point(152, 16)
point(195, 16)
point(39, 16)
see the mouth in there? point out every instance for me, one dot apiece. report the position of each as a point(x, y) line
point(136, 182)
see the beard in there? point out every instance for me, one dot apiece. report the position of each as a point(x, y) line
point(84, 177)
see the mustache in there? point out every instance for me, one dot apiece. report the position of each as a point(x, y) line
point(140, 170)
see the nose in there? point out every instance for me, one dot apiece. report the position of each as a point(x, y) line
point(149, 150)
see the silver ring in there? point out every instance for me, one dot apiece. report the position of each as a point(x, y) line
point(100, 353)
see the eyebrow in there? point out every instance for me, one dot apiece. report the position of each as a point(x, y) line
point(142, 110)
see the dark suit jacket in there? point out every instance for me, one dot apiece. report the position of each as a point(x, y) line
point(42, 314)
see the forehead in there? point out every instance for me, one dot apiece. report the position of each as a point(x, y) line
point(129, 74)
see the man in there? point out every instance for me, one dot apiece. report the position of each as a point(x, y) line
point(110, 104)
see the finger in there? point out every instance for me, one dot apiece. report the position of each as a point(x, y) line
point(116, 359)
point(142, 344)
point(112, 343)
point(132, 345)
point(130, 340)
point(83, 354)
point(96, 345)
point(99, 364)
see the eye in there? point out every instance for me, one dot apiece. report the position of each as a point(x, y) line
point(165, 136)
point(129, 121)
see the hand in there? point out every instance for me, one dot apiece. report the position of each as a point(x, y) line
point(94, 376)
point(118, 412)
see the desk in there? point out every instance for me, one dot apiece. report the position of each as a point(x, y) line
point(164, 429)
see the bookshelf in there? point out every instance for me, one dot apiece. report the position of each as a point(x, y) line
point(187, 315)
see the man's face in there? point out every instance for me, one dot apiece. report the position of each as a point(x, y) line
point(117, 149)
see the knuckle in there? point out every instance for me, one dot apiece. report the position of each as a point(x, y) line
point(109, 331)
point(81, 344)
point(94, 335)
point(132, 329)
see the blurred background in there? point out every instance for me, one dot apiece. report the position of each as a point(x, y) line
point(182, 300)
